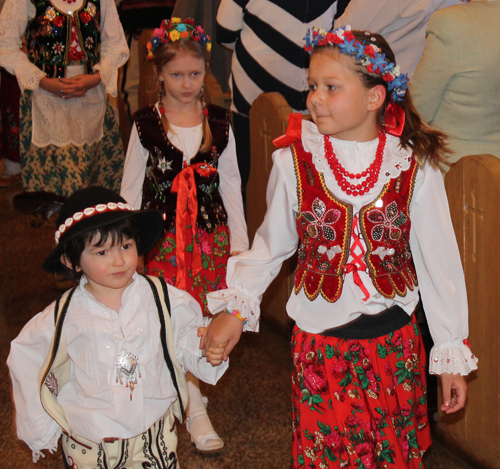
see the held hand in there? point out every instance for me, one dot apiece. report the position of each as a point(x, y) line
point(454, 392)
point(224, 328)
point(215, 355)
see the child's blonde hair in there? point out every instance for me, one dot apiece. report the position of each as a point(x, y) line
point(428, 144)
point(168, 51)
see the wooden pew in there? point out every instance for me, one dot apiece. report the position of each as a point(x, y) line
point(268, 120)
point(473, 187)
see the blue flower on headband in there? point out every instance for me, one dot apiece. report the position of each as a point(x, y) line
point(156, 41)
point(307, 38)
point(203, 39)
point(181, 27)
point(348, 47)
point(360, 51)
point(398, 86)
point(379, 63)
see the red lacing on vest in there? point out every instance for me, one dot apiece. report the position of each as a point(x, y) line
point(358, 262)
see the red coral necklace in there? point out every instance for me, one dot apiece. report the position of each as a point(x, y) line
point(370, 174)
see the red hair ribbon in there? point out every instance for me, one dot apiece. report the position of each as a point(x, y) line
point(394, 120)
point(293, 131)
point(185, 223)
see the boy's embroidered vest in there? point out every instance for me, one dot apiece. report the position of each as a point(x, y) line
point(48, 36)
point(55, 372)
point(324, 225)
point(165, 162)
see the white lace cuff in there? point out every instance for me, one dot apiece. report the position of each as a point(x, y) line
point(51, 446)
point(109, 77)
point(233, 299)
point(452, 358)
point(29, 76)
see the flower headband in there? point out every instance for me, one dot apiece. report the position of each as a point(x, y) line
point(177, 30)
point(367, 54)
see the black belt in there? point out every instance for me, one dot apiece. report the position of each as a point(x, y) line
point(371, 326)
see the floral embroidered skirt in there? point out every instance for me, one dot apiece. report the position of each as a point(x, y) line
point(359, 403)
point(214, 249)
point(63, 170)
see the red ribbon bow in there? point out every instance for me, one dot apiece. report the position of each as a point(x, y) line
point(185, 219)
point(348, 268)
point(394, 120)
point(293, 131)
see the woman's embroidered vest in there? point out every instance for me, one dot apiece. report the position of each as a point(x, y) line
point(48, 36)
point(165, 162)
point(324, 225)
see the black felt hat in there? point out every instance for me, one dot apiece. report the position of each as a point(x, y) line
point(94, 207)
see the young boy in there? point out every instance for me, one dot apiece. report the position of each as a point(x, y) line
point(104, 365)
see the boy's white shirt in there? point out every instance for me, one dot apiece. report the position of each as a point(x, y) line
point(95, 405)
point(432, 241)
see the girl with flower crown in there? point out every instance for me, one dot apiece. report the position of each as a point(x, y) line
point(181, 160)
point(357, 192)
point(69, 136)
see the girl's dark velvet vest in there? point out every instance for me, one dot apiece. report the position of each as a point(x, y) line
point(165, 162)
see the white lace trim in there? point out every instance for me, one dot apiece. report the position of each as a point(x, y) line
point(452, 358)
point(51, 446)
point(356, 156)
point(29, 78)
point(76, 121)
point(233, 299)
point(109, 77)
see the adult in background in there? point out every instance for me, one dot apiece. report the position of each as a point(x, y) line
point(267, 38)
point(456, 86)
point(69, 136)
point(401, 22)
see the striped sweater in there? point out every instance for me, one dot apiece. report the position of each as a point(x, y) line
point(267, 39)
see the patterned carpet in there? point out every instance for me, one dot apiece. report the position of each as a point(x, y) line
point(250, 407)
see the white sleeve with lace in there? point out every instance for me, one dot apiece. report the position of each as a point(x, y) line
point(250, 273)
point(13, 20)
point(440, 275)
point(114, 49)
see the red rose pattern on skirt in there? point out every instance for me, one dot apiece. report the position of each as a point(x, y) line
point(161, 261)
point(359, 403)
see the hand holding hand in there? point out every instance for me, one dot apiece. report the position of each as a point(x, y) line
point(454, 392)
point(224, 329)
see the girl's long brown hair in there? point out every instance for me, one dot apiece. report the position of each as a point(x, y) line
point(162, 56)
point(428, 144)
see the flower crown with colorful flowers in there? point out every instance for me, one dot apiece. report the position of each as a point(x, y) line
point(367, 54)
point(178, 30)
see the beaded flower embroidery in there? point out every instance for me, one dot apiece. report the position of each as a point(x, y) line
point(178, 30)
point(367, 54)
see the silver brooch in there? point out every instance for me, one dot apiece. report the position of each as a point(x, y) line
point(127, 365)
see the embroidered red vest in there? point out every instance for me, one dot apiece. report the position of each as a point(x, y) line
point(324, 225)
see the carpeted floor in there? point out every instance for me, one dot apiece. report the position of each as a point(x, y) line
point(250, 406)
